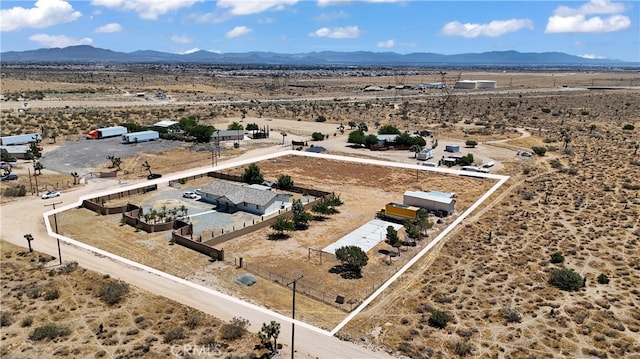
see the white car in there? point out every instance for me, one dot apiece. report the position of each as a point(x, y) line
point(51, 194)
point(189, 194)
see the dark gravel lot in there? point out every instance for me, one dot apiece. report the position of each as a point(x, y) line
point(84, 155)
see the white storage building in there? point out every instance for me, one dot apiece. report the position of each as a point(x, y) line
point(442, 202)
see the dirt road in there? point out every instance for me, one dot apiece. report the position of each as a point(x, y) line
point(25, 216)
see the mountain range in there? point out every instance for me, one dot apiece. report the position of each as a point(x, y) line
point(90, 54)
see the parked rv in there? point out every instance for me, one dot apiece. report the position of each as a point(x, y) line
point(142, 136)
point(20, 139)
point(425, 154)
point(106, 132)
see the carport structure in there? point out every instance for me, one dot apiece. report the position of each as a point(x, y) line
point(366, 236)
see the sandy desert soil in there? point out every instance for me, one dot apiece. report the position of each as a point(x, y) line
point(37, 294)
point(581, 201)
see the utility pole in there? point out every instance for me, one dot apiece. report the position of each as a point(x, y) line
point(293, 313)
point(55, 219)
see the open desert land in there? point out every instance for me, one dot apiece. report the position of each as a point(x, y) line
point(490, 275)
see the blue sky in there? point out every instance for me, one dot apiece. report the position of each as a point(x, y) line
point(590, 28)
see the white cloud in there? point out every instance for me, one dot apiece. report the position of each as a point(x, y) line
point(109, 28)
point(331, 16)
point(591, 56)
point(181, 39)
point(566, 19)
point(59, 40)
point(146, 9)
point(237, 32)
point(493, 29)
point(386, 44)
point(348, 32)
point(248, 7)
point(190, 51)
point(45, 13)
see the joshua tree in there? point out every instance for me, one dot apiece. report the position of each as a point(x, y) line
point(76, 178)
point(268, 332)
point(29, 238)
point(38, 167)
point(147, 167)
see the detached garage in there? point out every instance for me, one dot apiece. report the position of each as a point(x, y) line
point(437, 201)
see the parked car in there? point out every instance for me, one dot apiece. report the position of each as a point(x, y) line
point(10, 177)
point(197, 191)
point(51, 194)
point(154, 176)
point(4, 165)
point(189, 194)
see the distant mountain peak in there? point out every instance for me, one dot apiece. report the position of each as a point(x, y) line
point(91, 54)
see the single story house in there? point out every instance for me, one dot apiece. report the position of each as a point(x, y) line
point(442, 202)
point(233, 196)
point(17, 151)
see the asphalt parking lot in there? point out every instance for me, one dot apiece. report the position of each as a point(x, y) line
point(84, 155)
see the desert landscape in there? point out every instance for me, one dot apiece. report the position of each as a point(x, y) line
point(575, 207)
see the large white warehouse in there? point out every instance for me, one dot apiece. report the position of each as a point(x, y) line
point(476, 84)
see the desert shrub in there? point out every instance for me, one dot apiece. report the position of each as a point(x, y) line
point(321, 118)
point(549, 140)
point(112, 292)
point(439, 319)
point(50, 331)
point(173, 334)
point(234, 329)
point(526, 170)
point(52, 294)
point(572, 171)
point(462, 348)
point(557, 257)
point(628, 127)
point(603, 279)
point(566, 279)
point(27, 321)
point(317, 136)
point(208, 341)
point(631, 186)
point(555, 163)
point(539, 150)
point(193, 320)
point(67, 267)
point(5, 319)
point(511, 315)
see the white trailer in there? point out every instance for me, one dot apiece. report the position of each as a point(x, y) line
point(443, 203)
point(142, 136)
point(20, 139)
point(107, 132)
point(425, 154)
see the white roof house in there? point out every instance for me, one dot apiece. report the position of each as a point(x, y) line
point(443, 202)
point(232, 196)
point(165, 123)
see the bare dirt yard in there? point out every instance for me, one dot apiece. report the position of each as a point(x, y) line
point(490, 278)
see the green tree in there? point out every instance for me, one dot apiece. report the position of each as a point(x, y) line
point(268, 333)
point(388, 130)
point(252, 127)
point(566, 279)
point(471, 143)
point(415, 149)
point(285, 182)
point(353, 256)
point(370, 140)
point(539, 150)
point(4, 155)
point(317, 136)
point(351, 124)
point(557, 257)
point(392, 238)
point(357, 137)
point(252, 174)
point(281, 225)
point(439, 319)
point(235, 126)
point(468, 159)
point(301, 217)
point(34, 148)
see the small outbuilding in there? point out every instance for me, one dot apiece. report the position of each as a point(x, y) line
point(443, 203)
point(452, 148)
